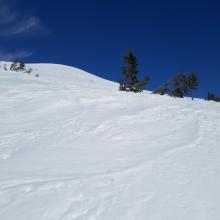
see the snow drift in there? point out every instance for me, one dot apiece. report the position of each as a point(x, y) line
point(72, 147)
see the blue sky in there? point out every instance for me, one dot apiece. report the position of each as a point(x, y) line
point(166, 36)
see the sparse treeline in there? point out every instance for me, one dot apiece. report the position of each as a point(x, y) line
point(19, 66)
point(181, 85)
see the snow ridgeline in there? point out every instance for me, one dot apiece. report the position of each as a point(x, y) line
point(72, 147)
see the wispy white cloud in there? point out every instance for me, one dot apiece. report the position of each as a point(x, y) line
point(14, 23)
point(27, 26)
point(10, 56)
point(7, 16)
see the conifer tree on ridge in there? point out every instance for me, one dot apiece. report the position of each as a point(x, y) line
point(130, 81)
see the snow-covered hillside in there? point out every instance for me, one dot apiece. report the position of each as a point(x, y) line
point(72, 147)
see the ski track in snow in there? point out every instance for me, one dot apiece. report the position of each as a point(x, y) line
point(75, 148)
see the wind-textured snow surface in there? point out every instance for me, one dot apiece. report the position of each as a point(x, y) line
point(72, 147)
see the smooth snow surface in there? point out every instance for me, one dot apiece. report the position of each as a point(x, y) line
point(72, 147)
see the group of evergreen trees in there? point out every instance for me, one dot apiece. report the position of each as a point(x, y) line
point(181, 85)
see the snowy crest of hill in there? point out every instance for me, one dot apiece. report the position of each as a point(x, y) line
point(73, 147)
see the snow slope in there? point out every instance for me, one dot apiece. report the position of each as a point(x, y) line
point(72, 147)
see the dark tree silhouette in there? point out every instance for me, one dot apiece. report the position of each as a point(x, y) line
point(130, 80)
point(211, 96)
point(181, 85)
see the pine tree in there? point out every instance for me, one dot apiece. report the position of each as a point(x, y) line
point(130, 81)
point(193, 81)
point(183, 84)
point(210, 96)
point(130, 70)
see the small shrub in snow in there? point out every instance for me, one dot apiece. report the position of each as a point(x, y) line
point(17, 66)
point(211, 96)
point(29, 70)
point(5, 67)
